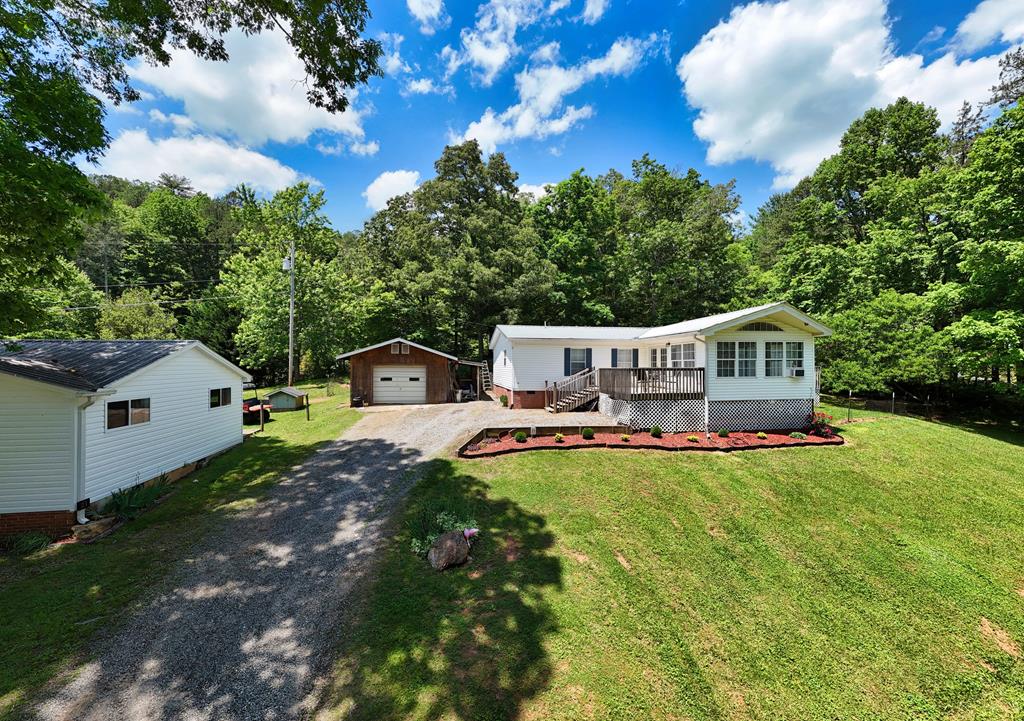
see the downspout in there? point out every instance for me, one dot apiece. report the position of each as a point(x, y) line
point(80, 455)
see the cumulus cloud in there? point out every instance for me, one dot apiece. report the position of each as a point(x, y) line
point(258, 96)
point(389, 184)
point(182, 124)
point(212, 165)
point(780, 82)
point(391, 60)
point(426, 86)
point(356, 148)
point(593, 10)
point(541, 110)
point(429, 14)
point(537, 191)
point(490, 44)
point(991, 20)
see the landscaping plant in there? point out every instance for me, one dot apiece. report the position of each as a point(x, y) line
point(624, 438)
point(504, 401)
point(559, 438)
point(821, 424)
point(587, 433)
point(798, 435)
point(723, 433)
point(656, 431)
point(25, 544)
point(693, 439)
point(762, 435)
point(520, 436)
point(444, 516)
point(128, 503)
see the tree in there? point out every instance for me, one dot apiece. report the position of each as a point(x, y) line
point(177, 184)
point(136, 315)
point(1010, 88)
point(968, 125)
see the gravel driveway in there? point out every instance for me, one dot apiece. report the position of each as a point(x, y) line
point(243, 627)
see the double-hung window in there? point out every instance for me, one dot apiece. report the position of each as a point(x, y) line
point(127, 413)
point(689, 355)
point(794, 354)
point(725, 361)
point(220, 397)
point(577, 360)
point(747, 359)
point(624, 358)
point(773, 359)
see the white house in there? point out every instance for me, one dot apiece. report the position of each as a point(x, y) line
point(80, 419)
point(748, 369)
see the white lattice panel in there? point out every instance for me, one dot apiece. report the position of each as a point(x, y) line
point(759, 415)
point(673, 416)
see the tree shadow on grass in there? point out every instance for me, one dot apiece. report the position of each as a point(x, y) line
point(467, 643)
point(1004, 431)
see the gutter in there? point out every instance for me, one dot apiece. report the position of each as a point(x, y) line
point(88, 398)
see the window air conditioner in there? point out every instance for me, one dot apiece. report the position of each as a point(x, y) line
point(795, 372)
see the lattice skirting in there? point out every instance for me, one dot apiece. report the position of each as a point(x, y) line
point(760, 415)
point(670, 416)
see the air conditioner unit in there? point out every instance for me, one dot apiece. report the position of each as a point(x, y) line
point(795, 372)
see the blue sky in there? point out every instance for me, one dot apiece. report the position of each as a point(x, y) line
point(756, 92)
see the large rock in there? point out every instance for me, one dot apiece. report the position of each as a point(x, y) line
point(89, 531)
point(450, 549)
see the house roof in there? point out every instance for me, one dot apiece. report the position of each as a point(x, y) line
point(396, 340)
point(696, 326)
point(88, 365)
point(288, 390)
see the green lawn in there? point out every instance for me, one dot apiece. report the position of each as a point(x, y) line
point(53, 601)
point(879, 580)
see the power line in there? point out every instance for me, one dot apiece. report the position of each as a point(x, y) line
point(156, 302)
point(160, 282)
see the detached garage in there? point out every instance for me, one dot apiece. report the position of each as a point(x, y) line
point(400, 372)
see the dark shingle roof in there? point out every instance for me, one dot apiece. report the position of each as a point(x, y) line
point(85, 365)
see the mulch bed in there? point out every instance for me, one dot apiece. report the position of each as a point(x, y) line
point(506, 443)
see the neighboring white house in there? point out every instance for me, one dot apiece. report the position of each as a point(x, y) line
point(743, 370)
point(80, 419)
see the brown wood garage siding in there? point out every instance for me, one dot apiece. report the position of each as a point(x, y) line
point(361, 366)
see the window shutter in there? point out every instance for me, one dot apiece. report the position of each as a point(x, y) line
point(615, 357)
point(636, 357)
point(566, 362)
point(590, 358)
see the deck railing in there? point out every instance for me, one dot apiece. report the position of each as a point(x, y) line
point(570, 387)
point(652, 383)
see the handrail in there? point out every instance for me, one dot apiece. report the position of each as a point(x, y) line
point(579, 381)
point(662, 383)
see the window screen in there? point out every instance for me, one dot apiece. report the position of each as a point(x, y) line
point(773, 359)
point(748, 359)
point(726, 359)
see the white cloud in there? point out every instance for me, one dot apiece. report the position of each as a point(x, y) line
point(490, 44)
point(258, 96)
point(426, 86)
point(541, 110)
point(537, 191)
point(389, 184)
point(356, 148)
point(780, 82)
point(211, 164)
point(391, 60)
point(181, 123)
point(594, 10)
point(429, 13)
point(991, 20)
point(548, 53)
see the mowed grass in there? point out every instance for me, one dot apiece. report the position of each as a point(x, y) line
point(879, 580)
point(52, 602)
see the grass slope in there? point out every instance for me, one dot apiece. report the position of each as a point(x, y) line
point(879, 580)
point(52, 601)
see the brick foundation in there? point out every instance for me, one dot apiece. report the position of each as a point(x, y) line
point(521, 399)
point(55, 524)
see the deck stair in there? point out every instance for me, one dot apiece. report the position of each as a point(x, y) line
point(571, 393)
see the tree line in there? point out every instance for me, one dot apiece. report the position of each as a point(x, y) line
point(909, 242)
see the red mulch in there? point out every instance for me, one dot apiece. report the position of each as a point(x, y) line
point(643, 440)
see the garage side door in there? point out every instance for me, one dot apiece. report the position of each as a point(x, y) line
point(399, 384)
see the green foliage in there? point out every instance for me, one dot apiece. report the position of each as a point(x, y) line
point(129, 503)
point(798, 435)
point(587, 433)
point(761, 435)
point(723, 432)
point(503, 400)
point(624, 438)
point(135, 315)
point(693, 439)
point(442, 516)
point(656, 431)
point(520, 436)
point(559, 438)
point(25, 544)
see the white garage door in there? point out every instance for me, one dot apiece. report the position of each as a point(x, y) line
point(399, 384)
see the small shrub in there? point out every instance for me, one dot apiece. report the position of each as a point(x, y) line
point(587, 433)
point(693, 439)
point(520, 436)
point(798, 435)
point(432, 521)
point(559, 438)
point(762, 435)
point(820, 424)
point(624, 438)
point(656, 431)
point(24, 544)
point(723, 432)
point(129, 503)
point(504, 401)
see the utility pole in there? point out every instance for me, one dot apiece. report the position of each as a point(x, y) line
point(291, 313)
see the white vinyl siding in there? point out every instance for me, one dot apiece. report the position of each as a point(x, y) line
point(502, 370)
point(37, 441)
point(761, 385)
point(182, 428)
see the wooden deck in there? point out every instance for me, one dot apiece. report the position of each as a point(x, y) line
point(633, 384)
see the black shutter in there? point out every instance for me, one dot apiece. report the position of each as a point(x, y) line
point(567, 352)
point(590, 358)
point(636, 357)
point(615, 357)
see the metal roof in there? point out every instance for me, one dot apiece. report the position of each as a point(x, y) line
point(395, 340)
point(288, 390)
point(696, 326)
point(86, 365)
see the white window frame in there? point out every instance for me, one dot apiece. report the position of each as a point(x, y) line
point(623, 358)
point(129, 424)
point(582, 363)
point(729, 345)
point(689, 355)
point(220, 398)
point(746, 365)
point(395, 348)
point(774, 359)
point(676, 355)
point(794, 360)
